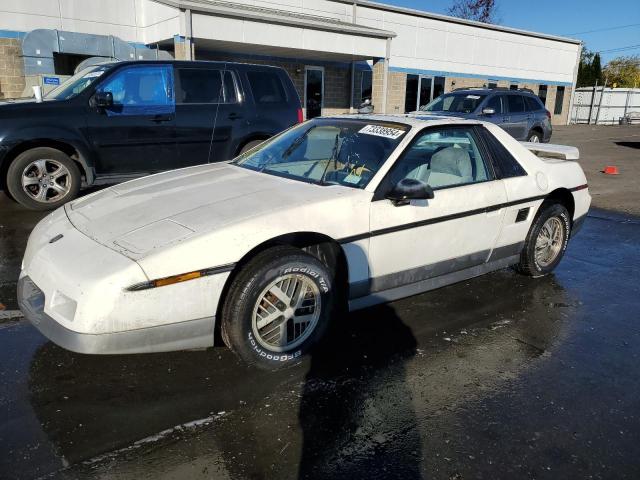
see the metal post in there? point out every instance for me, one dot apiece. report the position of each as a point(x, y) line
point(601, 97)
point(593, 100)
point(353, 86)
point(385, 79)
point(188, 35)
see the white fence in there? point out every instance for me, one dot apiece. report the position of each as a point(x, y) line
point(616, 104)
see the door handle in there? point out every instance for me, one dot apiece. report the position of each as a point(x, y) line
point(162, 118)
point(234, 116)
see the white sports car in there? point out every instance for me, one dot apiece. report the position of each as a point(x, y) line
point(346, 210)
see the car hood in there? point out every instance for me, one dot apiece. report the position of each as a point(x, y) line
point(141, 216)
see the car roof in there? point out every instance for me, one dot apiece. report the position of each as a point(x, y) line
point(192, 63)
point(418, 120)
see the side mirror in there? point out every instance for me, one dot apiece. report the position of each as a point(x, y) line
point(488, 111)
point(409, 189)
point(103, 99)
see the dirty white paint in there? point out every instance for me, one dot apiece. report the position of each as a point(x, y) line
point(216, 214)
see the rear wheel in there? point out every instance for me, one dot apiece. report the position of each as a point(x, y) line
point(534, 136)
point(546, 241)
point(277, 308)
point(43, 178)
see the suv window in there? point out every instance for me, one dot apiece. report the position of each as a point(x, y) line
point(495, 102)
point(533, 104)
point(442, 157)
point(505, 165)
point(141, 90)
point(199, 85)
point(516, 103)
point(266, 87)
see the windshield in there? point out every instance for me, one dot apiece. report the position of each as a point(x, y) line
point(327, 151)
point(76, 84)
point(455, 102)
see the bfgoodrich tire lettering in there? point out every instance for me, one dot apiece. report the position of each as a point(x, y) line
point(273, 330)
point(546, 241)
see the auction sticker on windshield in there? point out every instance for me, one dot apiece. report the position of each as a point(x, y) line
point(380, 131)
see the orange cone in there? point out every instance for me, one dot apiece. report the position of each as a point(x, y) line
point(611, 170)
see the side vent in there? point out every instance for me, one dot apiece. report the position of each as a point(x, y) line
point(523, 213)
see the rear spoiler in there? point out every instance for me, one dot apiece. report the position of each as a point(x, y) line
point(549, 150)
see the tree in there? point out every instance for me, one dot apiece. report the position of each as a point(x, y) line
point(623, 71)
point(589, 69)
point(479, 10)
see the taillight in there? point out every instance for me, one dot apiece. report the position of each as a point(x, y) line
point(300, 119)
point(548, 114)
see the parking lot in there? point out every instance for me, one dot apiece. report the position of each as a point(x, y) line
point(502, 376)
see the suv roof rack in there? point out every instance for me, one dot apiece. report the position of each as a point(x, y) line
point(506, 89)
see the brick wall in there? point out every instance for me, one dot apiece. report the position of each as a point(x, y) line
point(11, 68)
point(377, 85)
point(560, 119)
point(396, 90)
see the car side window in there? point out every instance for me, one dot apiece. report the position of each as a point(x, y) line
point(516, 103)
point(199, 85)
point(504, 164)
point(533, 105)
point(230, 90)
point(266, 87)
point(495, 102)
point(140, 90)
point(442, 157)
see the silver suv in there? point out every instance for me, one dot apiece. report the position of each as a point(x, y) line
point(519, 112)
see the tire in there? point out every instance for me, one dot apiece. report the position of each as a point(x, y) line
point(251, 292)
point(39, 166)
point(249, 145)
point(534, 136)
point(550, 216)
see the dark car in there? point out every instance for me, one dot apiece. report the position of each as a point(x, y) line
point(121, 120)
point(519, 112)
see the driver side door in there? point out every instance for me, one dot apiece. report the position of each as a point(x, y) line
point(455, 230)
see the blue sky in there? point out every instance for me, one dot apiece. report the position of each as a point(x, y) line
point(563, 17)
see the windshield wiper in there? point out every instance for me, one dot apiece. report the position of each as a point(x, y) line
point(296, 143)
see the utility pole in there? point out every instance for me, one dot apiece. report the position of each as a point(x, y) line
point(593, 100)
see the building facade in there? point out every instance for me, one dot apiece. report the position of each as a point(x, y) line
point(337, 52)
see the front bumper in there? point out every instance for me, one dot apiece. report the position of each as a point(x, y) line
point(163, 338)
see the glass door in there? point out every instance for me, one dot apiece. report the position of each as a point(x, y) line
point(313, 91)
point(426, 91)
point(418, 92)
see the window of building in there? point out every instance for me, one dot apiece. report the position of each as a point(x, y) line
point(492, 85)
point(559, 101)
point(438, 86)
point(266, 87)
point(542, 94)
point(365, 85)
point(513, 86)
point(411, 95)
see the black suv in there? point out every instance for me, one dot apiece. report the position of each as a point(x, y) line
point(116, 121)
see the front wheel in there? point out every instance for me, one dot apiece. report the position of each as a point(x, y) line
point(43, 178)
point(277, 307)
point(546, 241)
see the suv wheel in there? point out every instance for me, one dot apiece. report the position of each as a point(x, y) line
point(43, 178)
point(277, 308)
point(534, 136)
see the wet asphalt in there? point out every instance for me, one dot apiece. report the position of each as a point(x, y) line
point(501, 376)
